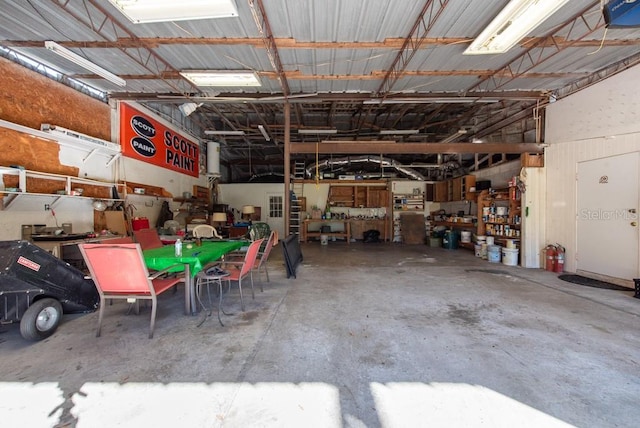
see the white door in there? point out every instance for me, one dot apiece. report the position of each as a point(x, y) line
point(607, 197)
point(274, 215)
point(533, 219)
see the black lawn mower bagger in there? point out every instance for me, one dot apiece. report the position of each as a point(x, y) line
point(36, 288)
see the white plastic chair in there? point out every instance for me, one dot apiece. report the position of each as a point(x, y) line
point(205, 231)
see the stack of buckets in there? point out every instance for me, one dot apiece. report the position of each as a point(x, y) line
point(510, 253)
point(493, 251)
point(486, 248)
point(481, 246)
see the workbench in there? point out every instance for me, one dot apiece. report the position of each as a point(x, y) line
point(345, 233)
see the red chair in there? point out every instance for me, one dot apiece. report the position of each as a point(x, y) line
point(147, 238)
point(119, 272)
point(240, 270)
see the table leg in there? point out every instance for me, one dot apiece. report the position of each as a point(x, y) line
point(189, 293)
point(347, 228)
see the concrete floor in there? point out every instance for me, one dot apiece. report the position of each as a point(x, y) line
point(367, 335)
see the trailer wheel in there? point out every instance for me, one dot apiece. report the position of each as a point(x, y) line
point(41, 319)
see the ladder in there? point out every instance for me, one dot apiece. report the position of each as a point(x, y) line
point(297, 192)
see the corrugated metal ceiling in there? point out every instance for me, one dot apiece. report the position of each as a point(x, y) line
point(336, 55)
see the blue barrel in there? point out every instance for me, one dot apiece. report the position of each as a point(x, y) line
point(450, 240)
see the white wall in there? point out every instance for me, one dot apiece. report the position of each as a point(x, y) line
point(238, 194)
point(599, 121)
point(143, 173)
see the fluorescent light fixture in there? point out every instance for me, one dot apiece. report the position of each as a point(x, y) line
point(144, 11)
point(214, 132)
point(514, 22)
point(399, 131)
point(264, 132)
point(317, 131)
point(83, 62)
point(221, 78)
point(451, 138)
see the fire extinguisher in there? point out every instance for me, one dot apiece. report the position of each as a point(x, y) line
point(559, 265)
point(550, 258)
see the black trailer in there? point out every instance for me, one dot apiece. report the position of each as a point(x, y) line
point(36, 288)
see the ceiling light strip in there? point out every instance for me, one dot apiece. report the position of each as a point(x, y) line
point(264, 132)
point(399, 131)
point(214, 132)
point(516, 20)
point(317, 131)
point(83, 62)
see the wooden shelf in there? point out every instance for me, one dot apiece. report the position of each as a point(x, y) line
point(52, 188)
point(454, 225)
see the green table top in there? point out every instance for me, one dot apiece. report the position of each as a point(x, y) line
point(195, 257)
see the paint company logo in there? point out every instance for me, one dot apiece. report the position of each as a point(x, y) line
point(28, 263)
point(143, 127)
point(143, 147)
point(608, 215)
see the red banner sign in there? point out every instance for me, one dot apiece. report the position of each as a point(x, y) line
point(148, 140)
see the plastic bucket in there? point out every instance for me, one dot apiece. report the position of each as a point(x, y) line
point(493, 253)
point(435, 242)
point(450, 240)
point(511, 244)
point(490, 240)
point(324, 239)
point(478, 250)
point(465, 236)
point(510, 256)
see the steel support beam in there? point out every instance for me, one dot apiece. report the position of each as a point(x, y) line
point(390, 147)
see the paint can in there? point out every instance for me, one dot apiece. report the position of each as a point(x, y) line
point(510, 256)
point(493, 253)
point(478, 250)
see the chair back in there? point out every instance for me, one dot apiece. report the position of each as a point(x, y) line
point(250, 257)
point(264, 254)
point(205, 231)
point(147, 238)
point(123, 240)
point(117, 268)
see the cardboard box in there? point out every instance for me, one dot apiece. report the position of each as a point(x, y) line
point(113, 221)
point(532, 159)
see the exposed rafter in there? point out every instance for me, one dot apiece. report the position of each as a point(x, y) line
point(417, 36)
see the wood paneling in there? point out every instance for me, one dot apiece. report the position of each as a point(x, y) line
point(30, 99)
